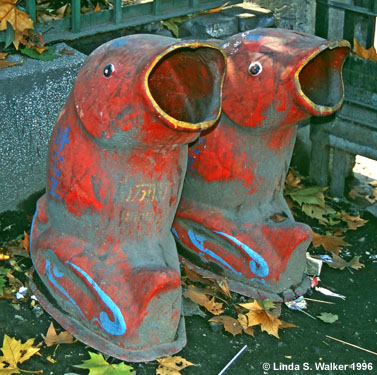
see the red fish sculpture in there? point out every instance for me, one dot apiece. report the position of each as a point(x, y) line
point(105, 261)
point(233, 220)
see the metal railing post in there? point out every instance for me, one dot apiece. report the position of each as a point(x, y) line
point(76, 8)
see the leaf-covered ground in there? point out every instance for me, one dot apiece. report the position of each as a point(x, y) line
point(218, 325)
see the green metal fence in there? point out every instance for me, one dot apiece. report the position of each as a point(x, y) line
point(120, 16)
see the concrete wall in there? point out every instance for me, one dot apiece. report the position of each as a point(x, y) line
point(31, 97)
point(298, 15)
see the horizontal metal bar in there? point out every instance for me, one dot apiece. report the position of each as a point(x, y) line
point(347, 7)
point(132, 15)
point(352, 147)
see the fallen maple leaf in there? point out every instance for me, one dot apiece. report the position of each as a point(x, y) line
point(331, 244)
point(318, 212)
point(14, 353)
point(312, 195)
point(340, 263)
point(215, 308)
point(368, 54)
point(353, 222)
point(18, 19)
point(244, 322)
point(200, 297)
point(231, 325)
point(172, 365)
point(268, 321)
point(52, 338)
point(98, 366)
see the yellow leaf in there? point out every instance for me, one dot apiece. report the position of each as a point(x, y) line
point(242, 319)
point(52, 338)
point(231, 325)
point(331, 244)
point(268, 320)
point(172, 365)
point(14, 352)
point(215, 10)
point(368, 54)
point(17, 18)
point(97, 8)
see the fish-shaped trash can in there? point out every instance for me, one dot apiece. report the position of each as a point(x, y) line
point(233, 220)
point(105, 260)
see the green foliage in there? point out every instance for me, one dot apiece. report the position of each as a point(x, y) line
point(48, 55)
point(98, 366)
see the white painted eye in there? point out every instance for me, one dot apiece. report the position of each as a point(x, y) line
point(255, 68)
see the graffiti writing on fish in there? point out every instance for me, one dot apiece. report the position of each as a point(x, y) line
point(145, 192)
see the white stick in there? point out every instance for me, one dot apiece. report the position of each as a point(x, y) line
point(355, 346)
point(232, 360)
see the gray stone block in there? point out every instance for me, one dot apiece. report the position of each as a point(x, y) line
point(250, 16)
point(209, 26)
point(31, 97)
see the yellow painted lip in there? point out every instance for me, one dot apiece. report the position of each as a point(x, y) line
point(177, 123)
point(321, 108)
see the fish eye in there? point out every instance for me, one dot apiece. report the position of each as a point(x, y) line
point(108, 70)
point(255, 68)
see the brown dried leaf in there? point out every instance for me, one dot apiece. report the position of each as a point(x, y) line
point(340, 263)
point(368, 54)
point(194, 276)
point(331, 244)
point(66, 51)
point(6, 64)
point(223, 287)
point(279, 217)
point(231, 325)
point(3, 55)
point(97, 8)
point(52, 338)
point(293, 180)
point(353, 222)
point(15, 247)
point(26, 242)
point(196, 297)
point(215, 308)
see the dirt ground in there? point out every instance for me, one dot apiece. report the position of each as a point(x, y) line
point(304, 350)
